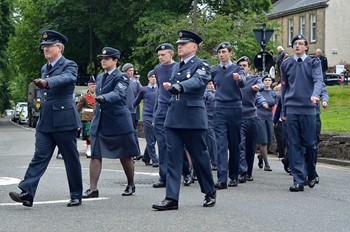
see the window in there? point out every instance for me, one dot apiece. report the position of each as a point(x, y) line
point(302, 25)
point(290, 31)
point(312, 28)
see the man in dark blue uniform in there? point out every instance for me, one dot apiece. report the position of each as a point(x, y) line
point(301, 89)
point(229, 78)
point(58, 122)
point(186, 122)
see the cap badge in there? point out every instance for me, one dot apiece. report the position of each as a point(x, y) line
point(162, 47)
point(104, 52)
point(45, 35)
point(180, 34)
point(299, 36)
point(224, 45)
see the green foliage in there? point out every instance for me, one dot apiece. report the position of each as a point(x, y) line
point(6, 29)
point(337, 116)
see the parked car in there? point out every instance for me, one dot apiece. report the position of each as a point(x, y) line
point(334, 79)
point(23, 116)
point(17, 110)
point(9, 113)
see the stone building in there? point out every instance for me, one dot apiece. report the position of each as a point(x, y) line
point(324, 23)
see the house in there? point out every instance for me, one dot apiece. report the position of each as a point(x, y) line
point(324, 23)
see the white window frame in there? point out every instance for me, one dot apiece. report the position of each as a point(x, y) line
point(290, 31)
point(313, 25)
point(302, 24)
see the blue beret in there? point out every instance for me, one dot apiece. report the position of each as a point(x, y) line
point(266, 75)
point(188, 36)
point(243, 58)
point(165, 46)
point(127, 66)
point(150, 73)
point(298, 37)
point(110, 52)
point(52, 37)
point(223, 45)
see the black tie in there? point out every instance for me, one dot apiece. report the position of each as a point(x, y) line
point(224, 67)
point(104, 77)
point(182, 63)
point(300, 60)
point(49, 67)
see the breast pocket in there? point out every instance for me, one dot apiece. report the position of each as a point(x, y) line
point(63, 115)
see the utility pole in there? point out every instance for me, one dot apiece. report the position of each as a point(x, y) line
point(195, 28)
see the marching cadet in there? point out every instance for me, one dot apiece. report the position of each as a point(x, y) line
point(86, 106)
point(301, 89)
point(111, 127)
point(148, 95)
point(163, 72)
point(58, 122)
point(186, 122)
point(249, 120)
point(228, 78)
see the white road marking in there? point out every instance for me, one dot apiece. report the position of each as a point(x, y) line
point(55, 202)
point(9, 180)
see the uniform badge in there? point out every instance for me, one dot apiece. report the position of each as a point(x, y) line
point(180, 34)
point(162, 47)
point(104, 52)
point(178, 74)
point(201, 71)
point(45, 35)
point(188, 75)
point(121, 86)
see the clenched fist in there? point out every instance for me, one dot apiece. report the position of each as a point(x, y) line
point(41, 83)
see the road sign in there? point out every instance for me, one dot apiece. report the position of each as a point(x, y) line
point(259, 61)
point(263, 36)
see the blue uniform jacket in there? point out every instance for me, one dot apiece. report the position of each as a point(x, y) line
point(187, 110)
point(113, 117)
point(58, 111)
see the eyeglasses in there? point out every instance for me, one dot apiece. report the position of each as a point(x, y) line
point(299, 43)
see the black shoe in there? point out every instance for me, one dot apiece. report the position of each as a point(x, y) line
point(232, 183)
point(209, 199)
point(267, 168)
point(296, 188)
point(317, 179)
point(23, 197)
point(285, 165)
point(138, 157)
point(221, 185)
point(250, 178)
point(155, 165)
point(311, 182)
point(187, 180)
point(260, 163)
point(147, 162)
point(159, 184)
point(90, 194)
point(166, 204)
point(74, 202)
point(129, 190)
point(242, 178)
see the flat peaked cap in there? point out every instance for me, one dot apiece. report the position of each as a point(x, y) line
point(223, 45)
point(298, 37)
point(127, 66)
point(110, 52)
point(186, 36)
point(243, 58)
point(52, 37)
point(165, 46)
point(150, 73)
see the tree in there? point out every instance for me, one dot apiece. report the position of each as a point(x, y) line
point(6, 29)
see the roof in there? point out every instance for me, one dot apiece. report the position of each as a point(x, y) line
point(288, 7)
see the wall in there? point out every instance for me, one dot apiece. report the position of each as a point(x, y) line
point(335, 145)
